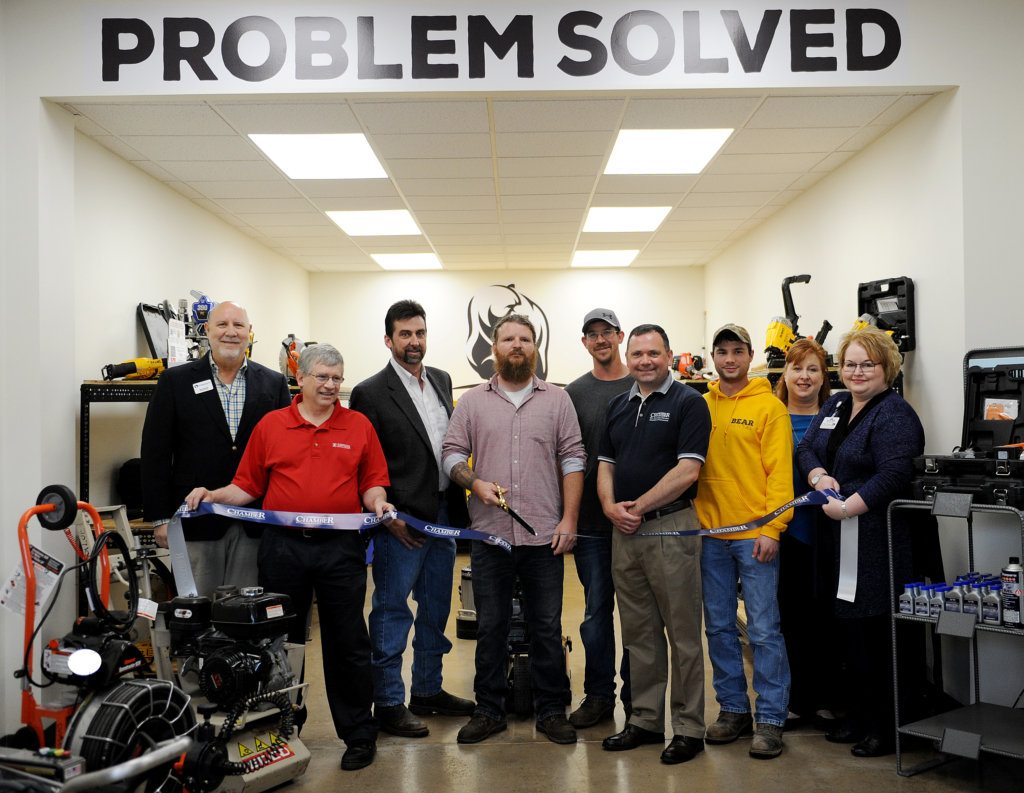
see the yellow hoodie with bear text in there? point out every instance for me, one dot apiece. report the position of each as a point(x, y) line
point(749, 467)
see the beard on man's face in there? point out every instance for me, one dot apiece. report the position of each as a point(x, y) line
point(517, 370)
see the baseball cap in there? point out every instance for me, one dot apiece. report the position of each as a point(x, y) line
point(736, 331)
point(603, 314)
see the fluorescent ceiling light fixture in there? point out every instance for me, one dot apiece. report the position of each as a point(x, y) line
point(407, 261)
point(603, 258)
point(625, 218)
point(665, 151)
point(375, 223)
point(341, 156)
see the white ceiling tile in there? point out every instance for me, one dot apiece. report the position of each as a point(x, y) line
point(192, 118)
point(186, 190)
point(192, 147)
point(785, 141)
point(704, 235)
point(211, 171)
point(864, 137)
point(733, 183)
point(789, 112)
point(556, 115)
point(697, 113)
point(289, 117)
point(419, 116)
point(242, 206)
point(762, 163)
point(565, 201)
point(451, 168)
point(705, 212)
point(475, 264)
point(154, 170)
point(902, 108)
point(673, 224)
point(784, 197)
point(750, 199)
point(447, 187)
point(442, 217)
point(448, 146)
point(571, 227)
point(358, 202)
point(120, 148)
point(667, 184)
point(452, 203)
point(265, 220)
point(542, 216)
point(806, 181)
point(540, 185)
point(832, 161)
point(553, 144)
point(548, 166)
point(619, 241)
point(440, 241)
point(336, 241)
point(280, 188)
point(323, 189)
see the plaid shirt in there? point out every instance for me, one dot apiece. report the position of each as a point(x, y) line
point(232, 397)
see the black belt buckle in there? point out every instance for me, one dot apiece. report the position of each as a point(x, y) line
point(668, 509)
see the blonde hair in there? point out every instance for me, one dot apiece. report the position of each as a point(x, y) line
point(880, 348)
point(805, 348)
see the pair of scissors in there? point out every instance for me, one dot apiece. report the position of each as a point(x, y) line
point(515, 515)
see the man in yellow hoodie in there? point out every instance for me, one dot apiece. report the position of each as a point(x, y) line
point(748, 474)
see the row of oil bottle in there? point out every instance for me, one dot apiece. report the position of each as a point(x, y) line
point(993, 600)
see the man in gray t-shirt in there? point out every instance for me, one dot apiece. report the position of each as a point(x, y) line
point(590, 394)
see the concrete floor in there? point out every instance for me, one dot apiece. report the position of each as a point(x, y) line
point(521, 761)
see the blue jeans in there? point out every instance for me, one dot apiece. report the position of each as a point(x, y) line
point(722, 563)
point(426, 572)
point(597, 631)
point(541, 574)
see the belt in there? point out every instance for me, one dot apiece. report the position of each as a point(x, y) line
point(668, 509)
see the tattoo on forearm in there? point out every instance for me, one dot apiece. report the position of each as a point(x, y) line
point(463, 475)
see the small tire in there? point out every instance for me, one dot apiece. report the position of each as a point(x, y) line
point(63, 498)
point(521, 686)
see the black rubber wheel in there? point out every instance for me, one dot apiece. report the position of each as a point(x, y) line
point(63, 498)
point(521, 686)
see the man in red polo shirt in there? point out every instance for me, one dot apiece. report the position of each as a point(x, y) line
point(317, 456)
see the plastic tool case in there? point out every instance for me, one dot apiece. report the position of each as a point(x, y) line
point(987, 464)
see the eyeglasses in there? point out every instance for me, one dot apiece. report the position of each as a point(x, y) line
point(867, 367)
point(324, 379)
point(607, 333)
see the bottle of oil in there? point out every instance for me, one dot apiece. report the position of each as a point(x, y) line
point(1012, 577)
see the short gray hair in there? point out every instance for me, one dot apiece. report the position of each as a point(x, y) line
point(319, 353)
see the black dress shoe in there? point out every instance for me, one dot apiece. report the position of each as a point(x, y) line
point(443, 703)
point(630, 738)
point(681, 749)
point(844, 733)
point(397, 720)
point(873, 746)
point(359, 754)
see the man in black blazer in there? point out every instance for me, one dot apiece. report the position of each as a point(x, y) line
point(409, 405)
point(197, 425)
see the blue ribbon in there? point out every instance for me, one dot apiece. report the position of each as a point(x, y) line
point(360, 521)
point(813, 498)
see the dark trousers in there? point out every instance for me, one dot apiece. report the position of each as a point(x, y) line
point(331, 564)
point(541, 574)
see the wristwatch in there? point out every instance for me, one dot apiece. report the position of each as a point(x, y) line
point(816, 477)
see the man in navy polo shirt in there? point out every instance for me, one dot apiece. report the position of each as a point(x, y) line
point(655, 442)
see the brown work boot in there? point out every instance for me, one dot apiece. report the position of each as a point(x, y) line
point(767, 742)
point(729, 727)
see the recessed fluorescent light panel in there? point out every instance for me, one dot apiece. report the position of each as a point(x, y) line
point(625, 218)
point(603, 258)
point(665, 151)
point(340, 156)
point(375, 223)
point(407, 261)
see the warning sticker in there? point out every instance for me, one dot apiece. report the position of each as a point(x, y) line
point(271, 755)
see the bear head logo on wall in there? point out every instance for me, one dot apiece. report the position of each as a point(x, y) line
point(486, 307)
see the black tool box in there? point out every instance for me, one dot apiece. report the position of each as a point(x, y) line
point(987, 464)
point(889, 304)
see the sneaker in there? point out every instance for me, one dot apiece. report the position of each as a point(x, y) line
point(592, 710)
point(729, 727)
point(557, 728)
point(767, 742)
point(480, 727)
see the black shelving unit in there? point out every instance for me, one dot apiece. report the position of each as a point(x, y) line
point(981, 727)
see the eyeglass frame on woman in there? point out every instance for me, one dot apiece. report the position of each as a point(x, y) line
point(867, 366)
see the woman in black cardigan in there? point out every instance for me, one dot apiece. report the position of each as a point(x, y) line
point(861, 444)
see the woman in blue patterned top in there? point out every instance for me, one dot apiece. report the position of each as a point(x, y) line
point(805, 571)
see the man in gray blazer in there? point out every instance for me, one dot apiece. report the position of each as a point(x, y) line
point(409, 405)
point(197, 425)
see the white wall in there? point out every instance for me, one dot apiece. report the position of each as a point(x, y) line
point(348, 311)
point(893, 210)
point(139, 241)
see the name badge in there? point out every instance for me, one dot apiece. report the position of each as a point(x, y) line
point(830, 423)
point(202, 386)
